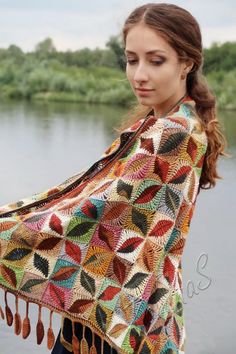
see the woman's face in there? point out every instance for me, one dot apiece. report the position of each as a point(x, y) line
point(159, 71)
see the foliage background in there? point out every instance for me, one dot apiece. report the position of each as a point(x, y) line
point(97, 75)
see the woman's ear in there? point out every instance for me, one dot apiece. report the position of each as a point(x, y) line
point(187, 67)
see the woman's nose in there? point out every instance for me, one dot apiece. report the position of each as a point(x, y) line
point(140, 73)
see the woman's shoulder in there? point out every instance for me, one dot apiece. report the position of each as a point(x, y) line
point(185, 119)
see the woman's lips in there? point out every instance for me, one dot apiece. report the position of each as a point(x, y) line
point(144, 92)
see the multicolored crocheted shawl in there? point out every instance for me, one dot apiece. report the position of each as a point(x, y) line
point(104, 247)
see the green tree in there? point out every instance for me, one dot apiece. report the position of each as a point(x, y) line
point(115, 44)
point(16, 53)
point(220, 57)
point(45, 49)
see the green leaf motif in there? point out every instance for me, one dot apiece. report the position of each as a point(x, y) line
point(172, 199)
point(87, 282)
point(179, 308)
point(41, 264)
point(101, 317)
point(17, 254)
point(124, 189)
point(173, 141)
point(139, 220)
point(80, 229)
point(157, 295)
point(30, 283)
point(136, 280)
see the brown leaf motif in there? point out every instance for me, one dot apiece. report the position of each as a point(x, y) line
point(117, 330)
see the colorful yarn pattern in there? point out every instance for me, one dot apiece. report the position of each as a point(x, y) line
point(107, 251)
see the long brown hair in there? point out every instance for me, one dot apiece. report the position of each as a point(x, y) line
point(182, 32)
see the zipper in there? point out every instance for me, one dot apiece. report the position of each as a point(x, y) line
point(83, 177)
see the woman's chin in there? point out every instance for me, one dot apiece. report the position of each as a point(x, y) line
point(146, 101)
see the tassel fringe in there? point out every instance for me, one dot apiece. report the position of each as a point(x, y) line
point(93, 349)
point(24, 328)
point(102, 345)
point(9, 315)
point(2, 313)
point(75, 340)
point(50, 334)
point(84, 347)
point(17, 319)
point(39, 328)
point(26, 323)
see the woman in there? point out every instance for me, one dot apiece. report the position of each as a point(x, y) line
point(119, 287)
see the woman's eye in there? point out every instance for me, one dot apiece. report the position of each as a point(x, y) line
point(157, 62)
point(131, 61)
point(152, 62)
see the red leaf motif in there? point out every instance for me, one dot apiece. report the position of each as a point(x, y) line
point(130, 245)
point(89, 209)
point(161, 228)
point(192, 149)
point(80, 306)
point(180, 175)
point(149, 256)
point(133, 339)
point(178, 247)
point(106, 236)
point(119, 270)
point(148, 194)
point(161, 168)
point(109, 293)
point(57, 295)
point(147, 144)
point(7, 225)
point(9, 275)
point(64, 273)
point(73, 251)
point(55, 224)
point(200, 162)
point(48, 243)
point(115, 212)
point(169, 270)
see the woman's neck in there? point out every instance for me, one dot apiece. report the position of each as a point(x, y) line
point(167, 107)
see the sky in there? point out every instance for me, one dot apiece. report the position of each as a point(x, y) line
point(76, 24)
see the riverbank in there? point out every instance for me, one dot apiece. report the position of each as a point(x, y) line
point(52, 81)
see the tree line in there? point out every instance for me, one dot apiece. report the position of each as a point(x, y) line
point(97, 75)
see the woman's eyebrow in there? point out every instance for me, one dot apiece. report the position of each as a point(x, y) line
point(149, 52)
